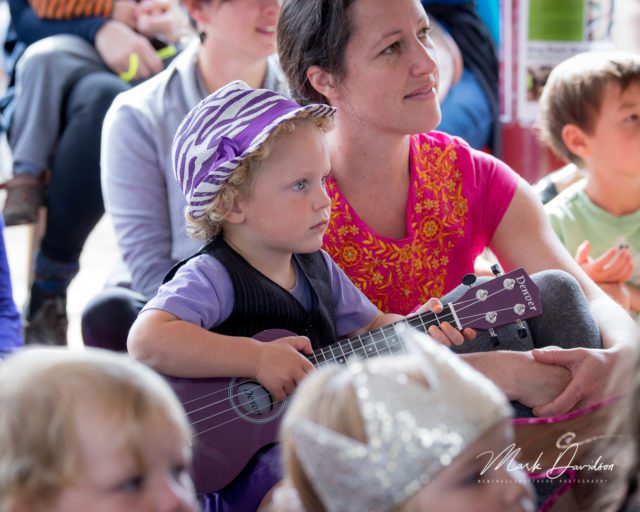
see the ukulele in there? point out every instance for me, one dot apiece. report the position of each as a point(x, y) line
point(232, 418)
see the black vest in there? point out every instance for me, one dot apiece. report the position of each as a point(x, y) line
point(260, 303)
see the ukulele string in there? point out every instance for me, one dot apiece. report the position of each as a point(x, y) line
point(275, 402)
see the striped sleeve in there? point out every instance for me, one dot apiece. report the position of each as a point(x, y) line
point(71, 9)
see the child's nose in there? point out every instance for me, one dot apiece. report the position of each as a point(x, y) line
point(517, 492)
point(322, 200)
point(172, 496)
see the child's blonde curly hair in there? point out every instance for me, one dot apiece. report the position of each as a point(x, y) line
point(240, 182)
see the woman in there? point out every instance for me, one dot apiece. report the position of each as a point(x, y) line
point(141, 193)
point(413, 209)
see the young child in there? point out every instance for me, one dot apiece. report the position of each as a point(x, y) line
point(252, 165)
point(90, 430)
point(590, 116)
point(400, 434)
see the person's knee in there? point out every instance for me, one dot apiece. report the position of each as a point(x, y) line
point(107, 318)
point(54, 55)
point(95, 92)
point(558, 286)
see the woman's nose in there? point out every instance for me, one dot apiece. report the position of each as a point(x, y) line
point(425, 59)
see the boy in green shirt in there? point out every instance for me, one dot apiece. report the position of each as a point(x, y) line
point(590, 116)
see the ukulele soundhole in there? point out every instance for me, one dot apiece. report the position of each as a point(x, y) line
point(253, 402)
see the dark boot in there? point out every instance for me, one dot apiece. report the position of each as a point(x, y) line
point(25, 196)
point(46, 319)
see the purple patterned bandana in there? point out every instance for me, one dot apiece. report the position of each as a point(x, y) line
point(224, 129)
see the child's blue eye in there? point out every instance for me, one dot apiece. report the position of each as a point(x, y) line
point(300, 185)
point(179, 471)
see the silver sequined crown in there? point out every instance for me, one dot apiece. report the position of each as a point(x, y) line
point(413, 430)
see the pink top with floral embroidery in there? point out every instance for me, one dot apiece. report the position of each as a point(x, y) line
point(458, 197)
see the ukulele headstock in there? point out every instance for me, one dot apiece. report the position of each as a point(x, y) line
point(499, 301)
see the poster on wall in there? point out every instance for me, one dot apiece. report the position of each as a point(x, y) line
point(551, 31)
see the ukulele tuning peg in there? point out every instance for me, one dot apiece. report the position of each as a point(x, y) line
point(495, 268)
point(469, 280)
point(493, 337)
point(522, 330)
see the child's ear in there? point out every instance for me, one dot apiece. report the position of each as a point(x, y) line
point(576, 140)
point(322, 81)
point(235, 214)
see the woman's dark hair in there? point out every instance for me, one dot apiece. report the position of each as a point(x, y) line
point(312, 32)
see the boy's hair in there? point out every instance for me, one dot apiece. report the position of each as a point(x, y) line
point(241, 180)
point(574, 91)
point(42, 392)
point(374, 413)
point(222, 132)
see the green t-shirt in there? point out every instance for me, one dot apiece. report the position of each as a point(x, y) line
point(575, 218)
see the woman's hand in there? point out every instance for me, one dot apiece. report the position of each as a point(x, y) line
point(595, 374)
point(115, 43)
point(536, 384)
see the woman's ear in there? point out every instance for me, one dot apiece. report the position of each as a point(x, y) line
point(322, 81)
point(576, 140)
point(196, 12)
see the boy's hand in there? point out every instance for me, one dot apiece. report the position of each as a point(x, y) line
point(614, 266)
point(281, 366)
point(445, 333)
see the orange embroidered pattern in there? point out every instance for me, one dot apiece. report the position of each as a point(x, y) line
point(398, 275)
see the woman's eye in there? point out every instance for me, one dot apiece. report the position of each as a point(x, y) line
point(633, 118)
point(424, 34)
point(392, 48)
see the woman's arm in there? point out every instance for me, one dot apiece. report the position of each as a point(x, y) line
point(136, 197)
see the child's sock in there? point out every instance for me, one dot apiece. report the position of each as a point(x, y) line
point(52, 278)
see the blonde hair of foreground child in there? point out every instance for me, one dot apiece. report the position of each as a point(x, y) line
point(62, 409)
point(373, 436)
